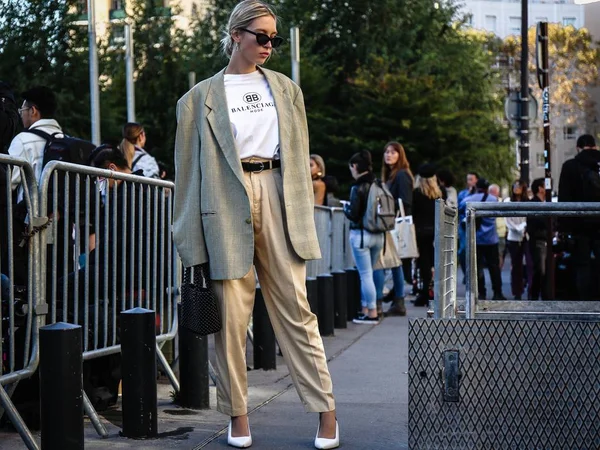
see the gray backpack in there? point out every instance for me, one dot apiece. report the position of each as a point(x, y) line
point(380, 214)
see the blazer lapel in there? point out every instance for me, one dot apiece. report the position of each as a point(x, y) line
point(284, 113)
point(218, 118)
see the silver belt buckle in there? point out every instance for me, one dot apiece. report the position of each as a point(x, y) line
point(262, 167)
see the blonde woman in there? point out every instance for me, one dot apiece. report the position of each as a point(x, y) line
point(317, 172)
point(427, 191)
point(244, 201)
point(135, 134)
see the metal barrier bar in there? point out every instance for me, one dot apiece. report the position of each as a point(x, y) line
point(12, 372)
point(126, 216)
point(513, 209)
point(446, 232)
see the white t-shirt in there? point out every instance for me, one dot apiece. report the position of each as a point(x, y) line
point(253, 115)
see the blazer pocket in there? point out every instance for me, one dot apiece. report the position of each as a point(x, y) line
point(208, 213)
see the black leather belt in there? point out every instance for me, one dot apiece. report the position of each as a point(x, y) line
point(260, 166)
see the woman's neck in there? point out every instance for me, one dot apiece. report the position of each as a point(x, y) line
point(239, 66)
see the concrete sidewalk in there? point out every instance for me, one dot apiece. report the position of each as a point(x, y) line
point(368, 365)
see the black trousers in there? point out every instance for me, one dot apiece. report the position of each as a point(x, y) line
point(488, 255)
point(587, 285)
point(539, 249)
point(425, 262)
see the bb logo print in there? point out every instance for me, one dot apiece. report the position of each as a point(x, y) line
point(252, 97)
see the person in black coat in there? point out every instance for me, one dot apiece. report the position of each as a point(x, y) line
point(427, 191)
point(580, 182)
point(537, 228)
point(399, 179)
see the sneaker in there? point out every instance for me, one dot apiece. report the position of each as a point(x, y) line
point(366, 319)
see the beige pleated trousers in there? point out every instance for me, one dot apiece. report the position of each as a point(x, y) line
point(282, 277)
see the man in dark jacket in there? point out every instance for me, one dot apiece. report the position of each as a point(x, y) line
point(538, 244)
point(580, 182)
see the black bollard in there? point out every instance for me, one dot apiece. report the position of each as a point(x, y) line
point(326, 310)
point(340, 289)
point(193, 370)
point(138, 367)
point(353, 293)
point(61, 387)
point(312, 292)
point(264, 336)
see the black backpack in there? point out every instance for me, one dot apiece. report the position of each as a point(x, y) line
point(591, 183)
point(61, 147)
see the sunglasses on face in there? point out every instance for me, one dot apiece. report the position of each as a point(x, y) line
point(263, 39)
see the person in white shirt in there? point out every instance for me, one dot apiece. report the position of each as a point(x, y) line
point(515, 240)
point(140, 159)
point(37, 112)
point(244, 204)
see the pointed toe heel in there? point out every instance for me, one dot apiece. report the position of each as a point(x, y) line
point(240, 441)
point(324, 443)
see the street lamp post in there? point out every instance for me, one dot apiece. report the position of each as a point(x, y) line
point(94, 90)
point(524, 98)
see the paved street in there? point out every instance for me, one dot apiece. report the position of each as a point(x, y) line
point(369, 366)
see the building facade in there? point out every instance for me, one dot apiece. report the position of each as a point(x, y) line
point(503, 18)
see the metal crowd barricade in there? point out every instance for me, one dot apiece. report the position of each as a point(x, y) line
point(20, 318)
point(339, 240)
point(108, 252)
point(584, 309)
point(445, 276)
point(323, 226)
point(503, 372)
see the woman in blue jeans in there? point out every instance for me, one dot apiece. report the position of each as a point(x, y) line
point(399, 179)
point(366, 246)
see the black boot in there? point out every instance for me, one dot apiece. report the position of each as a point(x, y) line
point(397, 308)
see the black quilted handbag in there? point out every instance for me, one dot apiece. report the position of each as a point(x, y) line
point(199, 311)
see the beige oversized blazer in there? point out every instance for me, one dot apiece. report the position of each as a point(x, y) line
point(212, 220)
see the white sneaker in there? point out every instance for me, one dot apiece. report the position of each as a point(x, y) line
point(240, 441)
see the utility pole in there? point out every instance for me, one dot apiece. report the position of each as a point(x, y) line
point(544, 81)
point(295, 44)
point(524, 98)
point(130, 87)
point(94, 90)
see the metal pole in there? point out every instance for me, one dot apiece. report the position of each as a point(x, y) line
point(94, 90)
point(543, 78)
point(524, 119)
point(138, 367)
point(295, 44)
point(130, 87)
point(264, 336)
point(192, 79)
point(193, 370)
point(61, 387)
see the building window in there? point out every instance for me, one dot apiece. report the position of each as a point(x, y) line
point(569, 21)
point(117, 35)
point(490, 23)
point(118, 4)
point(514, 25)
point(569, 133)
point(539, 159)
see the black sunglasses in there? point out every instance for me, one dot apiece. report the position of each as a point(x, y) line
point(264, 39)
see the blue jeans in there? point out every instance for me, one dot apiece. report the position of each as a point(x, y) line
point(397, 277)
point(365, 257)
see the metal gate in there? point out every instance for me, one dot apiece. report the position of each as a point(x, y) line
point(515, 374)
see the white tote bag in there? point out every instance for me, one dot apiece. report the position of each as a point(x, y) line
point(404, 235)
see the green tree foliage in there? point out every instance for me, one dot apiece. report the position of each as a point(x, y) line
point(41, 45)
point(371, 71)
point(574, 62)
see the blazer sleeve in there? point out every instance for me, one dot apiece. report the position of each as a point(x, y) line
point(300, 113)
point(188, 232)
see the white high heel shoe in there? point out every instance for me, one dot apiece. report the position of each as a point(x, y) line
point(240, 441)
point(324, 443)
